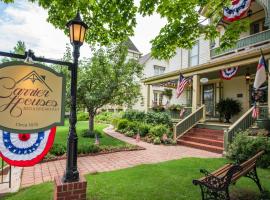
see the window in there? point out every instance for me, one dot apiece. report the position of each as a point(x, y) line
point(258, 26)
point(194, 55)
point(155, 98)
point(158, 70)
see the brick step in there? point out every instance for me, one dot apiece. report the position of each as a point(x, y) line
point(200, 146)
point(205, 130)
point(216, 143)
point(211, 136)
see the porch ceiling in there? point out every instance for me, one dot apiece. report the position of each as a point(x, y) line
point(244, 59)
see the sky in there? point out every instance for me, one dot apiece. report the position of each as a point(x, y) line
point(27, 22)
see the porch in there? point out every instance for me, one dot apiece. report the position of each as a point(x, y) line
point(203, 96)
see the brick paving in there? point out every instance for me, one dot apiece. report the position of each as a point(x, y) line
point(108, 162)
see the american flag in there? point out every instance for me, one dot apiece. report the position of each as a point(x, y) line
point(255, 112)
point(182, 112)
point(181, 84)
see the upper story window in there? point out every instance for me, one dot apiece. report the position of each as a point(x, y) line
point(194, 55)
point(257, 26)
point(158, 70)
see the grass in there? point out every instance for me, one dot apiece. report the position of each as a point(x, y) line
point(106, 140)
point(164, 181)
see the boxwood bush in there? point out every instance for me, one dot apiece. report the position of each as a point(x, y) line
point(134, 115)
point(144, 129)
point(244, 147)
point(122, 124)
point(158, 118)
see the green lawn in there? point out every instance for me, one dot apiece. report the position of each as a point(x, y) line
point(165, 181)
point(62, 134)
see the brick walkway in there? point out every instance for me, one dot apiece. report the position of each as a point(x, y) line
point(90, 164)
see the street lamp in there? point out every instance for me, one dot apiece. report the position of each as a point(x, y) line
point(77, 30)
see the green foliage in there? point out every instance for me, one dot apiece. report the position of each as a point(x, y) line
point(58, 149)
point(144, 129)
point(175, 107)
point(169, 141)
point(167, 93)
point(134, 115)
point(158, 108)
point(159, 130)
point(104, 117)
point(20, 48)
point(155, 118)
point(129, 133)
point(82, 116)
point(85, 149)
point(91, 134)
point(157, 140)
point(107, 78)
point(122, 124)
point(115, 121)
point(244, 147)
point(132, 126)
point(228, 107)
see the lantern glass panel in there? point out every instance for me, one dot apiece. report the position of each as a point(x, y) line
point(77, 32)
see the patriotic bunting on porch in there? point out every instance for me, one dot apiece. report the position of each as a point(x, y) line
point(255, 112)
point(24, 150)
point(228, 73)
point(237, 10)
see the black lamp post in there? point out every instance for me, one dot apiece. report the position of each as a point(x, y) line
point(77, 30)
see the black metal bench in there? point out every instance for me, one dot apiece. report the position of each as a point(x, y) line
point(215, 185)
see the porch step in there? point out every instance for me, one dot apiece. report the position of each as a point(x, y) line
point(201, 146)
point(203, 138)
point(217, 143)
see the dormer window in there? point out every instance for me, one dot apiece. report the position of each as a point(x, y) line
point(158, 70)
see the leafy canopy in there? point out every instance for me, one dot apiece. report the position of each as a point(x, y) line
point(112, 21)
point(109, 78)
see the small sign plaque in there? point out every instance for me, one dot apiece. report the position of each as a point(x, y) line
point(31, 97)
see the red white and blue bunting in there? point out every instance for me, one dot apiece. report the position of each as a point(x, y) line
point(237, 10)
point(228, 73)
point(24, 150)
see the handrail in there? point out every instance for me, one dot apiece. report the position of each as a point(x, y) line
point(242, 123)
point(189, 122)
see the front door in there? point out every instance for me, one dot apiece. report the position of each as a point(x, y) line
point(208, 99)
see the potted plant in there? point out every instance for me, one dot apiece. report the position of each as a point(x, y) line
point(168, 94)
point(228, 107)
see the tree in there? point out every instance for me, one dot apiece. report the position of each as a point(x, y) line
point(108, 78)
point(112, 21)
point(20, 48)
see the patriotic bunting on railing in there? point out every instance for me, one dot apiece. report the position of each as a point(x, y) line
point(228, 73)
point(22, 150)
point(237, 10)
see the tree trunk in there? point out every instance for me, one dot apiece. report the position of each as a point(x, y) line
point(91, 121)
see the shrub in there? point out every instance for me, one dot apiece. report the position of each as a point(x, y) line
point(159, 130)
point(115, 121)
point(91, 134)
point(244, 147)
point(144, 129)
point(170, 141)
point(132, 126)
point(105, 117)
point(122, 124)
point(157, 140)
point(158, 118)
point(129, 133)
point(134, 115)
point(82, 116)
point(58, 149)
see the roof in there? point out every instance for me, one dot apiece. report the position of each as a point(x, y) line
point(144, 58)
point(131, 46)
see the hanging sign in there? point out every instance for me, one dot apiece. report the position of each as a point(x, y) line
point(228, 73)
point(31, 97)
point(24, 150)
point(237, 10)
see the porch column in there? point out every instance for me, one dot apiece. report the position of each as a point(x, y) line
point(195, 92)
point(148, 100)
